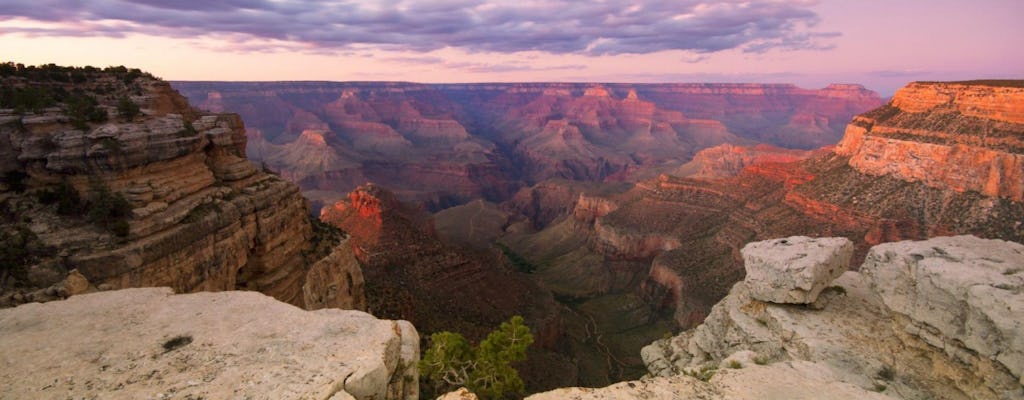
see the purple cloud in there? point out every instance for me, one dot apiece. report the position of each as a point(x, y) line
point(554, 26)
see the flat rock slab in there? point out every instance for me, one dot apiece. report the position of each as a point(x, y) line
point(795, 269)
point(152, 344)
point(790, 380)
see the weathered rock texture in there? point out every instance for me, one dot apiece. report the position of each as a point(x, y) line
point(934, 319)
point(199, 215)
point(150, 343)
point(789, 380)
point(795, 269)
point(446, 144)
point(976, 126)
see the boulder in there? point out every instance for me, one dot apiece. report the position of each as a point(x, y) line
point(152, 344)
point(957, 292)
point(795, 269)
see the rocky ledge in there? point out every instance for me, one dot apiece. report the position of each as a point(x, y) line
point(935, 319)
point(152, 344)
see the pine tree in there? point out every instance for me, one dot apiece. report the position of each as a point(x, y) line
point(451, 362)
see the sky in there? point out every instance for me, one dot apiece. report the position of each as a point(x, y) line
point(881, 44)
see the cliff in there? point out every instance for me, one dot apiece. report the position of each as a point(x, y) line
point(446, 144)
point(159, 196)
point(151, 343)
point(977, 126)
point(932, 319)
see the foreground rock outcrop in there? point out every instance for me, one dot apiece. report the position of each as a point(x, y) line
point(163, 196)
point(152, 344)
point(940, 318)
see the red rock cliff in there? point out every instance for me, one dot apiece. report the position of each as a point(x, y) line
point(957, 136)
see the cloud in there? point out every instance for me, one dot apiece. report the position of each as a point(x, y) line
point(553, 26)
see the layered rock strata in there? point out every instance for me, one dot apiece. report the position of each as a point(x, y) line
point(444, 145)
point(151, 343)
point(977, 126)
point(934, 319)
point(196, 215)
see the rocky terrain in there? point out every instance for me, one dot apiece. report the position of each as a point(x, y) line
point(152, 344)
point(446, 144)
point(920, 320)
point(676, 241)
point(112, 175)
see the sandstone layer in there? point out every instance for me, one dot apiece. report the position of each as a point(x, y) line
point(150, 343)
point(922, 320)
point(977, 126)
point(196, 215)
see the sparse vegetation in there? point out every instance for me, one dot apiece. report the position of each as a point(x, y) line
point(760, 360)
point(733, 364)
point(69, 202)
point(107, 209)
point(521, 263)
point(15, 180)
point(451, 362)
point(19, 247)
point(704, 373)
point(200, 211)
point(127, 108)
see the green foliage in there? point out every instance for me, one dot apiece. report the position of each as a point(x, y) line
point(733, 364)
point(451, 362)
point(107, 209)
point(704, 373)
point(82, 109)
point(26, 99)
point(18, 248)
point(522, 264)
point(127, 108)
point(69, 202)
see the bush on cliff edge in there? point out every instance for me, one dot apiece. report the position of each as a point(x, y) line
point(451, 362)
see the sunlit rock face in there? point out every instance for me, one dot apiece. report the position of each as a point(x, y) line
point(443, 145)
point(929, 127)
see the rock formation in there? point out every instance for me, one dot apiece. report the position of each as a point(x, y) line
point(444, 145)
point(687, 234)
point(403, 262)
point(934, 319)
point(163, 198)
point(151, 343)
point(977, 126)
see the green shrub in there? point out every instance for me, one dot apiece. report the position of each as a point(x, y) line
point(18, 249)
point(486, 370)
point(127, 109)
point(69, 202)
point(733, 364)
point(107, 209)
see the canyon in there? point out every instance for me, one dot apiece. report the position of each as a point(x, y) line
point(446, 144)
point(608, 215)
point(163, 198)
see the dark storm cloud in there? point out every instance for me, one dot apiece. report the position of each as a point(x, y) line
point(555, 26)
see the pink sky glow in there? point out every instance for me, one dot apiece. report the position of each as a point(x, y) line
point(881, 44)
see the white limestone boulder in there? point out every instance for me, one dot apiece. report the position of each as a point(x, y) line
point(958, 292)
point(152, 344)
point(795, 269)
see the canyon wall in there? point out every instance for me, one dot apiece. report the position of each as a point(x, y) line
point(979, 127)
point(162, 198)
point(446, 144)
